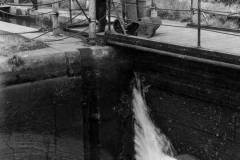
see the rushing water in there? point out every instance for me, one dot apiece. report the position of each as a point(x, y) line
point(150, 143)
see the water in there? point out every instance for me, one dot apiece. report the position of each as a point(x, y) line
point(150, 143)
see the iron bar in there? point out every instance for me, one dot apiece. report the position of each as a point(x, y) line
point(109, 15)
point(192, 11)
point(199, 24)
point(70, 10)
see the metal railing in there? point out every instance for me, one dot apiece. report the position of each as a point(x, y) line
point(201, 15)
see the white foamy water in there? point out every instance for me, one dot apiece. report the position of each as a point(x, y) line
point(150, 143)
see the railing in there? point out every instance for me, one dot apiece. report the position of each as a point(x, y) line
point(51, 13)
point(201, 15)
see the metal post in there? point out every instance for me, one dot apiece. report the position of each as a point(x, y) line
point(70, 10)
point(137, 7)
point(199, 23)
point(92, 24)
point(55, 15)
point(192, 11)
point(109, 15)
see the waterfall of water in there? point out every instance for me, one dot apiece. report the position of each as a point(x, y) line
point(150, 143)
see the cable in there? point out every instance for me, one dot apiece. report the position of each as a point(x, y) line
point(71, 36)
point(82, 11)
point(157, 8)
point(15, 15)
point(41, 35)
point(176, 10)
point(28, 5)
point(33, 31)
point(219, 11)
point(222, 14)
point(226, 33)
point(79, 5)
point(65, 24)
point(73, 18)
point(77, 34)
point(7, 33)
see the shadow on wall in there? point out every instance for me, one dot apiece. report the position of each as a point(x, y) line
point(43, 119)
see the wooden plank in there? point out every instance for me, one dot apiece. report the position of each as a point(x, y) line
point(175, 48)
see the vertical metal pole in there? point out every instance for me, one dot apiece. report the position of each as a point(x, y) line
point(192, 11)
point(55, 15)
point(109, 15)
point(199, 23)
point(70, 10)
point(137, 7)
point(92, 24)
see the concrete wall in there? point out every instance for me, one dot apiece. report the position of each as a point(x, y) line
point(195, 104)
point(46, 99)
